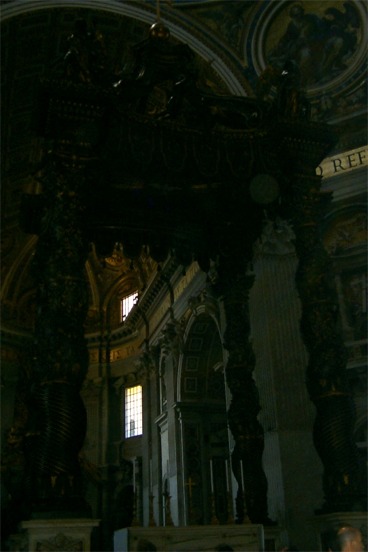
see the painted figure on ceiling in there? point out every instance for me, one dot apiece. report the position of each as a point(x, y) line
point(319, 44)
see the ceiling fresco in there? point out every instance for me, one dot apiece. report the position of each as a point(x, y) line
point(327, 40)
point(323, 39)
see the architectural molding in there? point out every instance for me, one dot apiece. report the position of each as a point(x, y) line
point(277, 239)
point(146, 14)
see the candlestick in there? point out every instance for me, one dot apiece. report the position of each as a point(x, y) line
point(227, 476)
point(168, 518)
point(242, 474)
point(214, 520)
point(151, 516)
point(211, 474)
point(134, 475)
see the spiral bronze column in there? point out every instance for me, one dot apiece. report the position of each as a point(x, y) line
point(327, 378)
point(57, 424)
point(246, 461)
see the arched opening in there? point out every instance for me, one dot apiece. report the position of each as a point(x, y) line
point(202, 408)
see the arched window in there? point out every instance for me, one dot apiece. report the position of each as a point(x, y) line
point(126, 305)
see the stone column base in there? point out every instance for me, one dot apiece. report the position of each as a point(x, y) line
point(51, 535)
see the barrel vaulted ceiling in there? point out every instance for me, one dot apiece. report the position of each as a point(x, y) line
point(235, 41)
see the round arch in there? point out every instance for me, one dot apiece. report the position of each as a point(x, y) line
point(200, 375)
point(206, 47)
point(201, 407)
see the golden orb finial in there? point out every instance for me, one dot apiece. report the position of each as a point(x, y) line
point(158, 30)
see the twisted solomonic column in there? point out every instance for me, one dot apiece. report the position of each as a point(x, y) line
point(251, 500)
point(327, 378)
point(301, 145)
point(57, 429)
point(57, 424)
